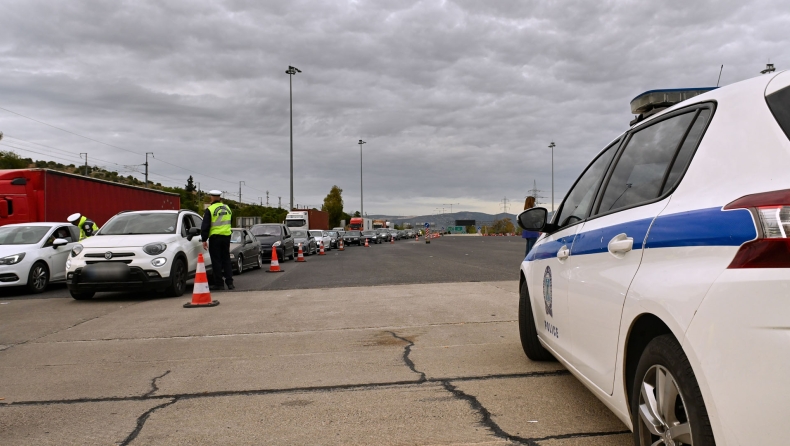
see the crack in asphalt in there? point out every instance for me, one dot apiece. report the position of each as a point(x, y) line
point(259, 333)
point(406, 353)
point(142, 419)
point(154, 387)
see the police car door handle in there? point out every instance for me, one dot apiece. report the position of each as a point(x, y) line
point(621, 244)
point(563, 253)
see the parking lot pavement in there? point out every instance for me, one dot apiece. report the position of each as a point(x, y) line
point(415, 364)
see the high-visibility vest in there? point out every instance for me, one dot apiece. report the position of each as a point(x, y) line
point(220, 219)
point(81, 225)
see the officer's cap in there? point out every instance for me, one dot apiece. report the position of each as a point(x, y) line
point(215, 193)
point(74, 217)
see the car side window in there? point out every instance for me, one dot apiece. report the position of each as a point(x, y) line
point(187, 223)
point(687, 149)
point(247, 237)
point(286, 231)
point(63, 232)
point(639, 172)
point(580, 198)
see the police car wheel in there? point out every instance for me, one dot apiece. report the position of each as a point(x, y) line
point(239, 264)
point(178, 279)
point(259, 261)
point(527, 329)
point(666, 402)
point(38, 278)
point(85, 295)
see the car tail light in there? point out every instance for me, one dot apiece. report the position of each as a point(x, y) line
point(771, 249)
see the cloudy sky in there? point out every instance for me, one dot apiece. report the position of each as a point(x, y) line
point(457, 100)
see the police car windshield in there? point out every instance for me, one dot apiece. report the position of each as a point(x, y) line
point(264, 230)
point(140, 223)
point(22, 235)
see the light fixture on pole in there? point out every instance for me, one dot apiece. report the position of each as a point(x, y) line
point(361, 196)
point(291, 71)
point(551, 146)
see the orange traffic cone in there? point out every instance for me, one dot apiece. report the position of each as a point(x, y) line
point(274, 267)
point(366, 244)
point(201, 296)
point(416, 238)
point(300, 257)
point(321, 252)
point(392, 240)
point(340, 246)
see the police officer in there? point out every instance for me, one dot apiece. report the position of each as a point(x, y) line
point(87, 226)
point(215, 233)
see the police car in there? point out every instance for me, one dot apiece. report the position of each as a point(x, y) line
point(662, 282)
point(138, 251)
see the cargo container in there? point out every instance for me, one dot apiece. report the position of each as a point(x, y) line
point(307, 219)
point(40, 195)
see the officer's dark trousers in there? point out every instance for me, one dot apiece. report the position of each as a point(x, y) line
point(219, 250)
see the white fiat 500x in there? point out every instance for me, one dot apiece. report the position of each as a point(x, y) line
point(138, 251)
point(662, 282)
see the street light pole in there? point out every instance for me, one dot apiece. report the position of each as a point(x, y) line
point(551, 146)
point(361, 196)
point(291, 72)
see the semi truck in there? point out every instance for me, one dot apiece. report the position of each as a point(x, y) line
point(360, 224)
point(378, 224)
point(307, 219)
point(41, 195)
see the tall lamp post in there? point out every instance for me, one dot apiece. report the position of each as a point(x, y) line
point(291, 71)
point(361, 196)
point(551, 146)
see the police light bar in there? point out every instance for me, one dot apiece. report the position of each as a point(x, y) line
point(652, 99)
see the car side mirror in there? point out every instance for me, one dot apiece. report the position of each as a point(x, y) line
point(59, 242)
point(192, 233)
point(533, 219)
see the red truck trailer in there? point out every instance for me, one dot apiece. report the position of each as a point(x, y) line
point(33, 195)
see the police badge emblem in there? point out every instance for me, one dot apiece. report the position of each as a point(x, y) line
point(547, 291)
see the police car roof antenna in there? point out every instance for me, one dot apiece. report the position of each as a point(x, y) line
point(720, 70)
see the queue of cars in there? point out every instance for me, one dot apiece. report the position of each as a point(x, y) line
point(662, 280)
point(144, 251)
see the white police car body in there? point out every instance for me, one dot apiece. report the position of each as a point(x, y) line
point(663, 280)
point(139, 250)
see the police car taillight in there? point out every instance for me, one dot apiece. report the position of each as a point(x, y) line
point(772, 247)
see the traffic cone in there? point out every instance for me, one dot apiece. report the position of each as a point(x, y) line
point(274, 267)
point(416, 238)
point(366, 244)
point(340, 245)
point(392, 240)
point(321, 251)
point(201, 296)
point(300, 257)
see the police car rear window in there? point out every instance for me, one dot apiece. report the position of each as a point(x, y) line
point(779, 103)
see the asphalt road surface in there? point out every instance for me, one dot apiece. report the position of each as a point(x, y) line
point(412, 363)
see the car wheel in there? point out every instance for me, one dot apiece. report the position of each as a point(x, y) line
point(291, 256)
point(666, 402)
point(259, 261)
point(239, 264)
point(178, 279)
point(85, 295)
point(38, 278)
point(527, 329)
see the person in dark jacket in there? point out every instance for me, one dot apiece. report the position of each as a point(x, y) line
point(215, 233)
point(530, 236)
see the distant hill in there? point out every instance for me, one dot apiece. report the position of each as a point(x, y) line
point(446, 219)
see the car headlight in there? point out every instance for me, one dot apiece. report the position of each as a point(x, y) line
point(159, 261)
point(12, 260)
point(277, 243)
point(154, 249)
point(76, 250)
point(68, 264)
point(232, 256)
